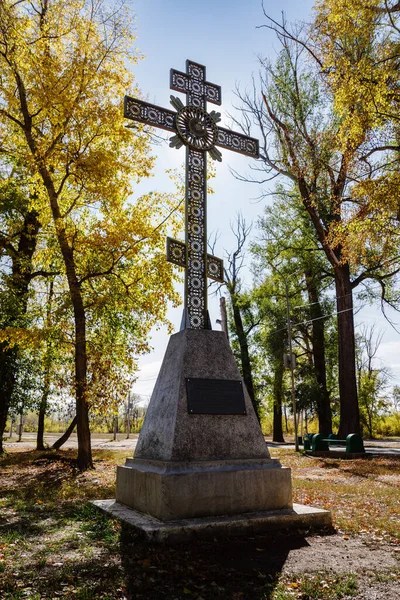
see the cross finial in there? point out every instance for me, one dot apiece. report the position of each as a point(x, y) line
point(194, 84)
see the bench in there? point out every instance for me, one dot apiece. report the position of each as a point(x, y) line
point(354, 443)
point(307, 441)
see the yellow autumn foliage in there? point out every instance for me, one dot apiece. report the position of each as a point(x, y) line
point(354, 57)
point(357, 45)
point(65, 68)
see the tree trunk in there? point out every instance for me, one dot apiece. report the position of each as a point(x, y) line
point(349, 410)
point(286, 419)
point(3, 421)
point(277, 431)
point(58, 443)
point(84, 459)
point(370, 427)
point(7, 382)
point(41, 415)
point(318, 350)
point(244, 354)
point(40, 432)
point(46, 380)
point(20, 426)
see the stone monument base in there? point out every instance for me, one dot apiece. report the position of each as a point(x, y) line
point(181, 490)
point(187, 530)
point(201, 464)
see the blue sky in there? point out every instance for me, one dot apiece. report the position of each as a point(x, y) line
point(227, 37)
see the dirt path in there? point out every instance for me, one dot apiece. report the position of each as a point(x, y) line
point(376, 565)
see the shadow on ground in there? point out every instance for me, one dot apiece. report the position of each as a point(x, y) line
point(235, 568)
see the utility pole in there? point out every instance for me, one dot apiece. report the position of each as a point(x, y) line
point(21, 422)
point(289, 327)
point(128, 417)
point(224, 318)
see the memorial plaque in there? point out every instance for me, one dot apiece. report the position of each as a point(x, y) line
point(215, 397)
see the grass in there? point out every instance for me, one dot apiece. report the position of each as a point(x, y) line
point(363, 495)
point(55, 544)
point(321, 586)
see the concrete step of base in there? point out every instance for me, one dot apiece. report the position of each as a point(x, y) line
point(186, 530)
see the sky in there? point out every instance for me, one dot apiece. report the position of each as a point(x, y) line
point(228, 37)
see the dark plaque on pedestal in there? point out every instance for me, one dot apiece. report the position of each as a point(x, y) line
point(215, 397)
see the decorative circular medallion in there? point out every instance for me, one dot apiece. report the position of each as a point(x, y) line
point(195, 321)
point(213, 268)
point(197, 162)
point(177, 252)
point(196, 265)
point(197, 246)
point(196, 229)
point(196, 212)
point(196, 128)
point(196, 283)
point(195, 301)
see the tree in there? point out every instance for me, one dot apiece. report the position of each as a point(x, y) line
point(243, 319)
point(373, 380)
point(300, 131)
point(18, 239)
point(357, 46)
point(63, 67)
point(287, 244)
point(271, 340)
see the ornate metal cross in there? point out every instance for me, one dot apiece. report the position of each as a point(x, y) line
point(197, 129)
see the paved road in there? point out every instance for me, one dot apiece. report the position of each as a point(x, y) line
point(102, 441)
point(383, 447)
point(105, 441)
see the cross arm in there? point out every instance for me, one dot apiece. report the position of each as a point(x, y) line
point(176, 254)
point(150, 114)
point(237, 142)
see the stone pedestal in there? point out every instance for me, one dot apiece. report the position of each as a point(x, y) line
point(193, 465)
point(208, 488)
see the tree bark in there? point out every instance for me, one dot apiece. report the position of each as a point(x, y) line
point(244, 354)
point(318, 351)
point(46, 380)
point(349, 410)
point(20, 426)
point(7, 381)
point(84, 458)
point(40, 432)
point(61, 440)
point(277, 429)
point(41, 416)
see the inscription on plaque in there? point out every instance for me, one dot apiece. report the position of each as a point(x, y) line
point(215, 397)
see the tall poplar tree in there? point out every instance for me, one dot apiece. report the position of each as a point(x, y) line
point(304, 142)
point(64, 72)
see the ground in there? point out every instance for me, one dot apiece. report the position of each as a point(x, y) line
point(54, 544)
